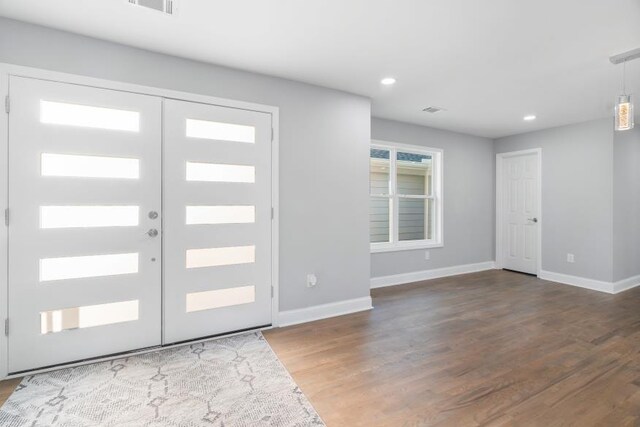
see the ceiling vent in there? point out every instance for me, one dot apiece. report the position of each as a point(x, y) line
point(433, 110)
point(165, 6)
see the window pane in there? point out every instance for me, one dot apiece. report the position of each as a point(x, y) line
point(204, 129)
point(220, 214)
point(88, 216)
point(87, 266)
point(207, 300)
point(414, 173)
point(89, 166)
point(88, 316)
point(212, 172)
point(213, 257)
point(379, 219)
point(379, 171)
point(60, 113)
point(415, 219)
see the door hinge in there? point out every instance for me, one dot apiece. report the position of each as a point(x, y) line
point(272, 292)
point(271, 134)
point(6, 217)
point(272, 213)
point(6, 327)
point(7, 104)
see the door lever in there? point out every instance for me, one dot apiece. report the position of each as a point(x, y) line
point(533, 219)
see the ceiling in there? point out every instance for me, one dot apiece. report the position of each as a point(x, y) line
point(489, 63)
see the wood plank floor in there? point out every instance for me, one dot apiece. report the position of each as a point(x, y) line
point(492, 348)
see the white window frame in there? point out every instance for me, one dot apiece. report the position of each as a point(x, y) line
point(394, 244)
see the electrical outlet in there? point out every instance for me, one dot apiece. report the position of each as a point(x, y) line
point(427, 255)
point(571, 258)
point(312, 280)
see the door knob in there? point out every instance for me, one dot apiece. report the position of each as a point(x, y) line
point(152, 233)
point(533, 219)
point(153, 214)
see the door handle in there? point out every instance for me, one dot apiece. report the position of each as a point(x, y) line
point(533, 219)
point(153, 232)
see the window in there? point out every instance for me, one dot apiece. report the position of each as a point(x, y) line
point(405, 187)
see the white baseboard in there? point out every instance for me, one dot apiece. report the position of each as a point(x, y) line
point(417, 276)
point(596, 285)
point(626, 284)
point(323, 311)
point(581, 282)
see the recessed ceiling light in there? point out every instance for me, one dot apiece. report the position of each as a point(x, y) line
point(529, 118)
point(387, 81)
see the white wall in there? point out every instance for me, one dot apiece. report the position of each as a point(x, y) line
point(577, 201)
point(324, 146)
point(469, 194)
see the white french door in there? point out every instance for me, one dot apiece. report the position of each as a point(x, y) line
point(519, 212)
point(84, 275)
point(217, 204)
point(135, 221)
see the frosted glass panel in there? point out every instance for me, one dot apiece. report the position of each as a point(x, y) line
point(88, 316)
point(88, 216)
point(60, 113)
point(220, 131)
point(198, 301)
point(87, 266)
point(220, 214)
point(89, 166)
point(213, 257)
point(220, 173)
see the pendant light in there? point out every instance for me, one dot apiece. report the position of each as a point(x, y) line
point(624, 105)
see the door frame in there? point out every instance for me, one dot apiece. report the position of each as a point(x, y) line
point(7, 70)
point(500, 158)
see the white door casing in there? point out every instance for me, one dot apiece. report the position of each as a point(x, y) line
point(217, 220)
point(84, 171)
point(518, 211)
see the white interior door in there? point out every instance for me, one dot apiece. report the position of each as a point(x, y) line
point(520, 212)
point(217, 220)
point(84, 175)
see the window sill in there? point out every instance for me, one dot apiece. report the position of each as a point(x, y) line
point(405, 247)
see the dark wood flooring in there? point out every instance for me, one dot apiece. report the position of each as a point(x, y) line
point(492, 348)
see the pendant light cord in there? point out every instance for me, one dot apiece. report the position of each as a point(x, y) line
point(624, 77)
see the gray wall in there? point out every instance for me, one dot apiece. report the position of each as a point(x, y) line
point(324, 146)
point(469, 194)
point(626, 203)
point(577, 201)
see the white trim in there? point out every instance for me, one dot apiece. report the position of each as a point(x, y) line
point(580, 282)
point(405, 246)
point(437, 195)
point(595, 285)
point(16, 70)
point(4, 240)
point(499, 165)
point(324, 311)
point(626, 284)
point(275, 222)
point(418, 276)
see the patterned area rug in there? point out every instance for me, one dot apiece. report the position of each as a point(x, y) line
point(236, 381)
